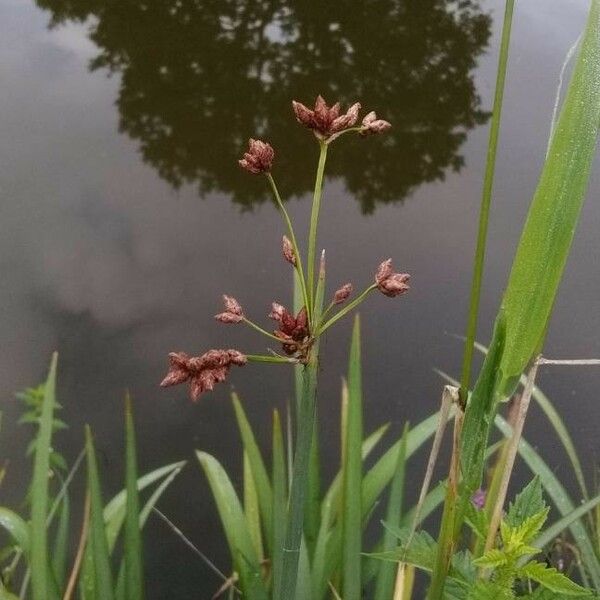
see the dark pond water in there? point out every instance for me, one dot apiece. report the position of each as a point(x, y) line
point(124, 216)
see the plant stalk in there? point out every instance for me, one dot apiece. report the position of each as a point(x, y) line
point(447, 535)
point(314, 223)
point(486, 200)
point(285, 586)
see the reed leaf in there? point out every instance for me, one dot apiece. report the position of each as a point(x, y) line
point(542, 251)
point(279, 497)
point(352, 474)
point(97, 542)
point(258, 469)
point(245, 559)
point(134, 576)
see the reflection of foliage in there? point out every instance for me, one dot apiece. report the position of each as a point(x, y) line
point(196, 73)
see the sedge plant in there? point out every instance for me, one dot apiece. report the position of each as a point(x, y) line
point(299, 334)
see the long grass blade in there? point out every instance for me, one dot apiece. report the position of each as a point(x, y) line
point(134, 576)
point(352, 474)
point(97, 540)
point(40, 584)
point(61, 541)
point(258, 469)
point(241, 546)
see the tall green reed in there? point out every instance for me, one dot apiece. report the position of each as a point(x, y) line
point(537, 269)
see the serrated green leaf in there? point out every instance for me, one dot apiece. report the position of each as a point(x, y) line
point(492, 559)
point(553, 580)
point(527, 503)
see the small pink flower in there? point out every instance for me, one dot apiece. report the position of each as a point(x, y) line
point(288, 251)
point(324, 120)
point(259, 157)
point(478, 498)
point(203, 372)
point(388, 282)
point(342, 294)
point(233, 311)
point(371, 124)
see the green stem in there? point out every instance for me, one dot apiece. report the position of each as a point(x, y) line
point(314, 223)
point(346, 309)
point(266, 358)
point(260, 329)
point(292, 235)
point(285, 586)
point(486, 199)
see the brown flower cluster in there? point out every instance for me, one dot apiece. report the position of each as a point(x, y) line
point(325, 120)
point(259, 158)
point(293, 331)
point(203, 372)
point(233, 312)
point(371, 124)
point(390, 283)
point(342, 294)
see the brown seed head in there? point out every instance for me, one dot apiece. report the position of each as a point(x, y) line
point(342, 294)
point(203, 372)
point(324, 120)
point(288, 251)
point(388, 282)
point(233, 311)
point(372, 125)
point(259, 157)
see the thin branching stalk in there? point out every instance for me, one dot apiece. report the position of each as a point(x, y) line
point(486, 200)
point(292, 235)
point(314, 223)
point(342, 313)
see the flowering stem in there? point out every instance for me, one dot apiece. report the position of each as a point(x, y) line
point(284, 585)
point(346, 309)
point(335, 136)
point(314, 222)
point(297, 254)
point(266, 358)
point(260, 329)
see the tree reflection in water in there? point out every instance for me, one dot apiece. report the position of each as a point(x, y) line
point(198, 77)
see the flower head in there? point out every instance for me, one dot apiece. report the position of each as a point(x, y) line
point(478, 498)
point(324, 120)
point(288, 251)
point(233, 311)
point(342, 294)
point(390, 283)
point(371, 124)
point(293, 331)
point(259, 157)
point(203, 372)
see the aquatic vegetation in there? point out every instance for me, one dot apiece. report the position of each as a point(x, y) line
point(35, 558)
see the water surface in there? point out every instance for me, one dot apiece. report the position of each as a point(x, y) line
point(124, 216)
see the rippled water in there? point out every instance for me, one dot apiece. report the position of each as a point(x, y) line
point(124, 216)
